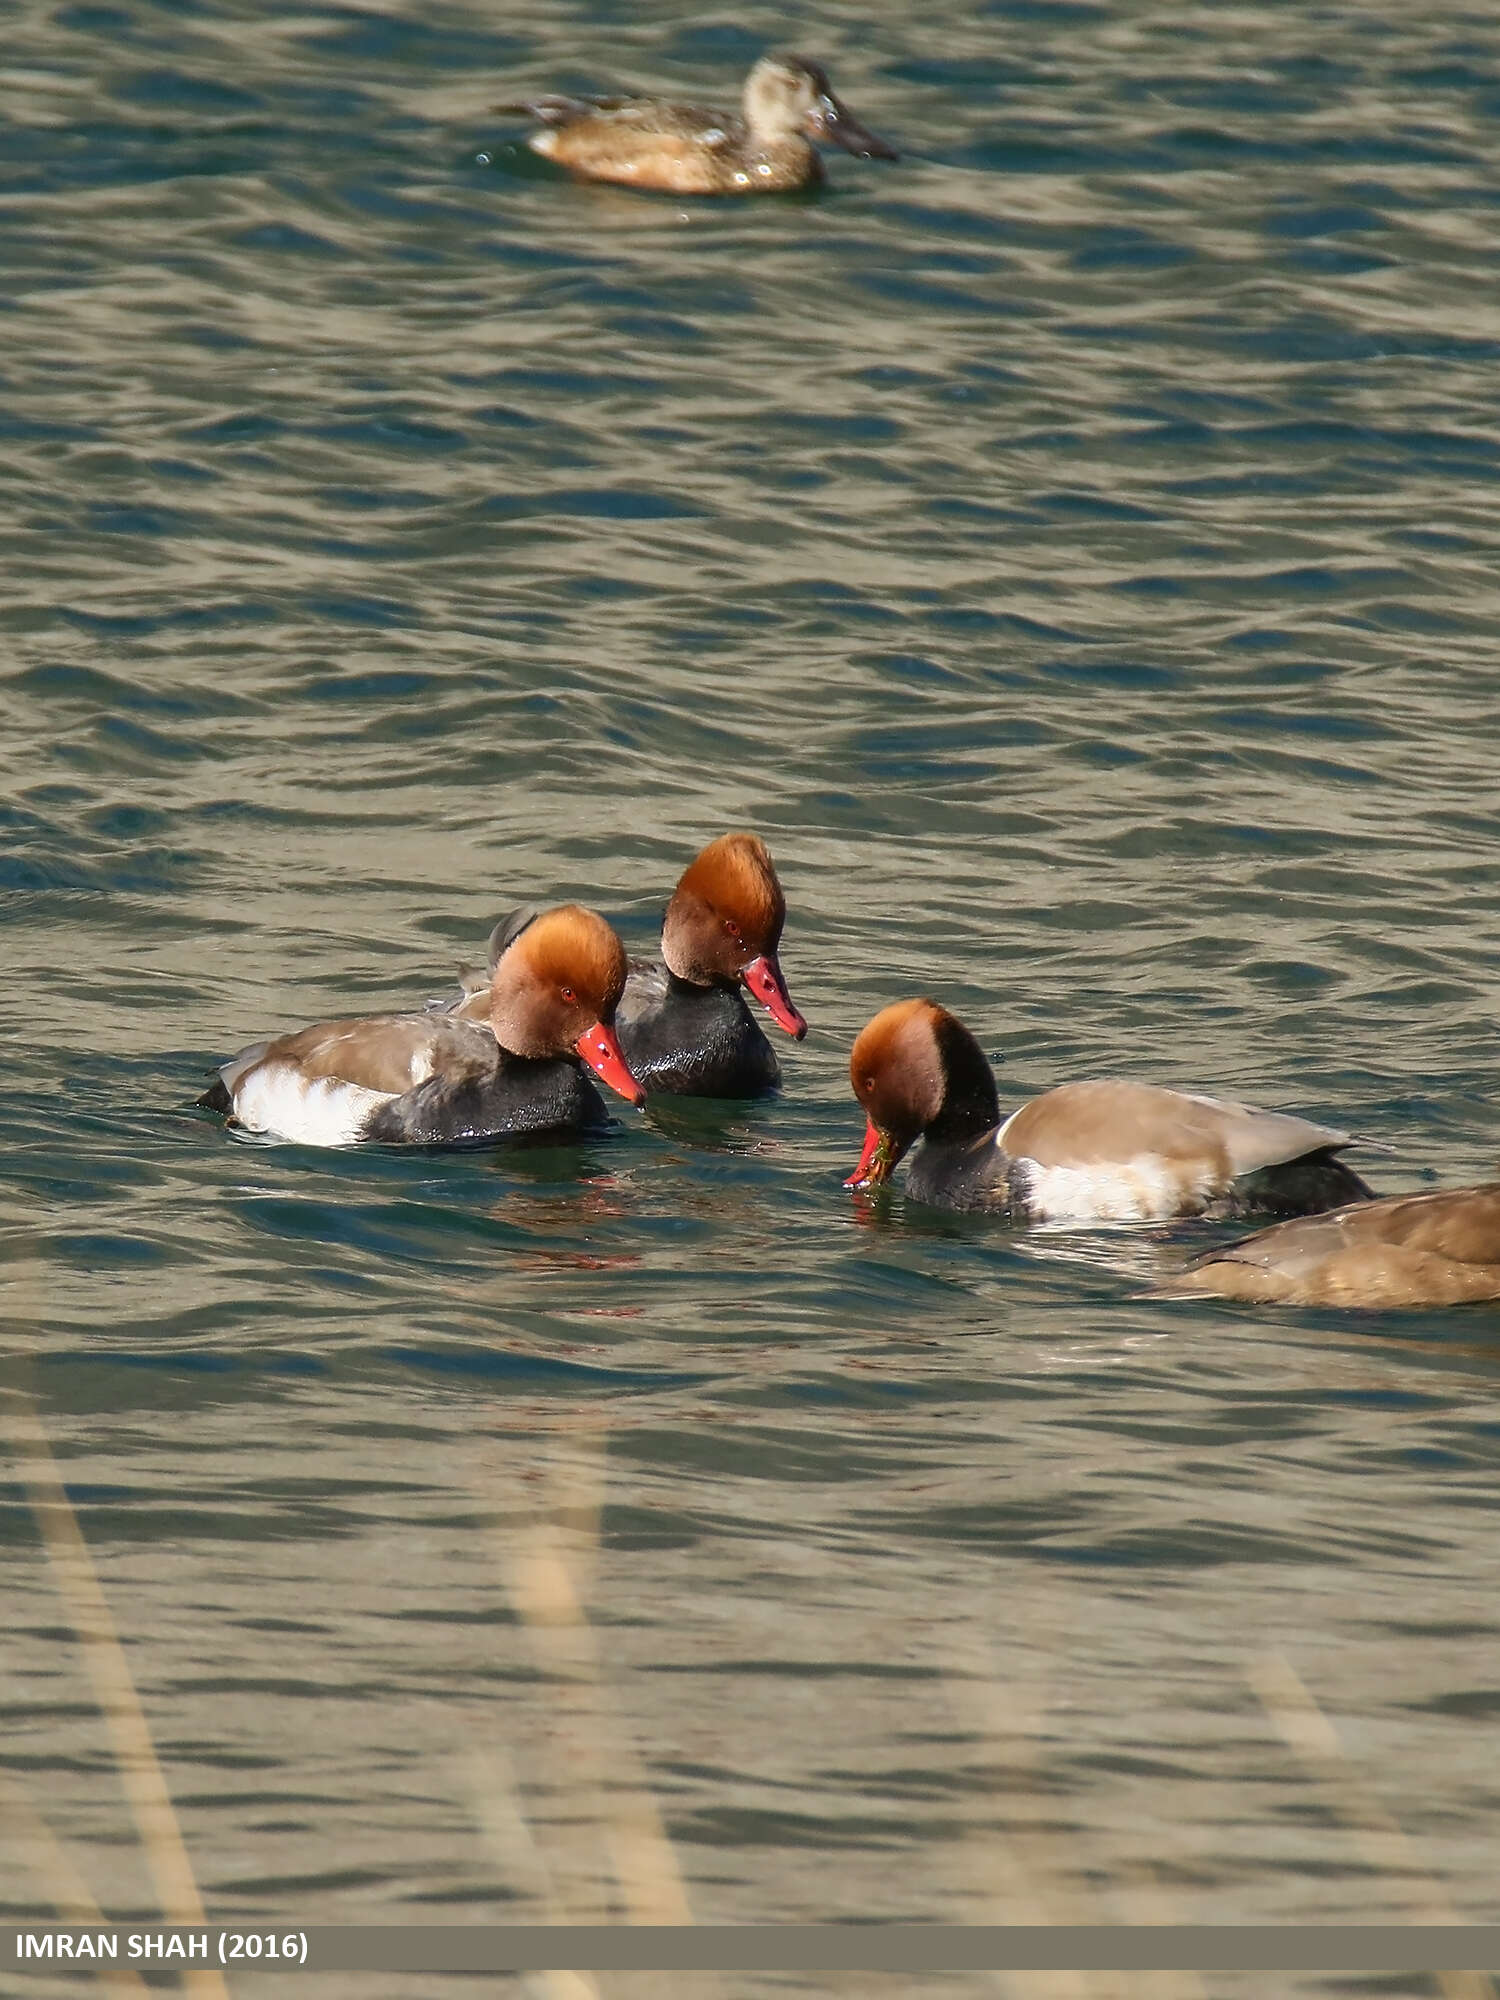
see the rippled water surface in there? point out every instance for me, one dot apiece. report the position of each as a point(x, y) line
point(1075, 548)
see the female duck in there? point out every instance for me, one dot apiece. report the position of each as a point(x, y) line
point(434, 1079)
point(645, 142)
point(1438, 1249)
point(682, 1024)
point(1108, 1151)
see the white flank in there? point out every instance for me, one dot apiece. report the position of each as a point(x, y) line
point(543, 142)
point(1145, 1189)
point(277, 1098)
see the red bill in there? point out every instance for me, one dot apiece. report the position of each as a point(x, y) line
point(600, 1048)
point(763, 977)
point(875, 1162)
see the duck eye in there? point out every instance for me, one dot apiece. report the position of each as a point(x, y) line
point(569, 996)
point(732, 927)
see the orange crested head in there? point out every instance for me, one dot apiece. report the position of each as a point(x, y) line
point(555, 989)
point(723, 925)
point(896, 1067)
point(919, 1073)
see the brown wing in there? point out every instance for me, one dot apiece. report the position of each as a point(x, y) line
point(474, 1004)
point(1406, 1250)
point(385, 1052)
point(1087, 1124)
point(644, 142)
point(650, 117)
point(1460, 1223)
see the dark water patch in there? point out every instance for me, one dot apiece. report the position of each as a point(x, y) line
point(393, 430)
point(374, 612)
point(168, 89)
point(505, 1365)
point(244, 427)
point(1131, 250)
point(287, 239)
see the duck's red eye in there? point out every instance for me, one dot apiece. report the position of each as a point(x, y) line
point(569, 996)
point(732, 927)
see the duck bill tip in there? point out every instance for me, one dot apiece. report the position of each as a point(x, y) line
point(763, 977)
point(841, 128)
point(875, 1161)
point(600, 1049)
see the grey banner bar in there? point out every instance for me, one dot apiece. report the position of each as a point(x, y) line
point(45, 1949)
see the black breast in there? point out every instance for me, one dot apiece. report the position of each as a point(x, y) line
point(969, 1175)
point(519, 1099)
point(694, 1041)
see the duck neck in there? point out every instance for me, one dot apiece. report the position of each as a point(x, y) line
point(971, 1104)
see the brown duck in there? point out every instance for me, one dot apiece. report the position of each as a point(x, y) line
point(1438, 1249)
point(647, 142)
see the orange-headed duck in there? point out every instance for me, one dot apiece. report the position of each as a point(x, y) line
point(682, 1023)
point(434, 1079)
point(646, 142)
point(1108, 1151)
point(1437, 1249)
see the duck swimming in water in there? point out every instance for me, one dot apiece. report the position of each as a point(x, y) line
point(1407, 1250)
point(1108, 1151)
point(683, 1025)
point(646, 142)
point(433, 1079)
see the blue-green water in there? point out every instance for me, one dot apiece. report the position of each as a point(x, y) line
point(1075, 549)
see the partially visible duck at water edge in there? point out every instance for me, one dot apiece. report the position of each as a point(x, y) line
point(648, 142)
point(683, 1024)
point(1106, 1151)
point(435, 1079)
point(1405, 1251)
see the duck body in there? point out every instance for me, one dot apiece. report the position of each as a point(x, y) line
point(1402, 1251)
point(649, 142)
point(692, 1041)
point(522, 1097)
point(1114, 1151)
point(393, 1079)
point(1108, 1150)
point(440, 1079)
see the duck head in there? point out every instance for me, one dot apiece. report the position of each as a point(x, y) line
point(787, 96)
point(723, 925)
point(917, 1072)
point(556, 984)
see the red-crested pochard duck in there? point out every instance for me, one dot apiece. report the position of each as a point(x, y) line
point(1108, 1151)
point(433, 1079)
point(1437, 1249)
point(682, 1023)
point(649, 142)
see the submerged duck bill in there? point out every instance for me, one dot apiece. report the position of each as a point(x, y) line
point(600, 1048)
point(876, 1161)
point(763, 977)
point(835, 122)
